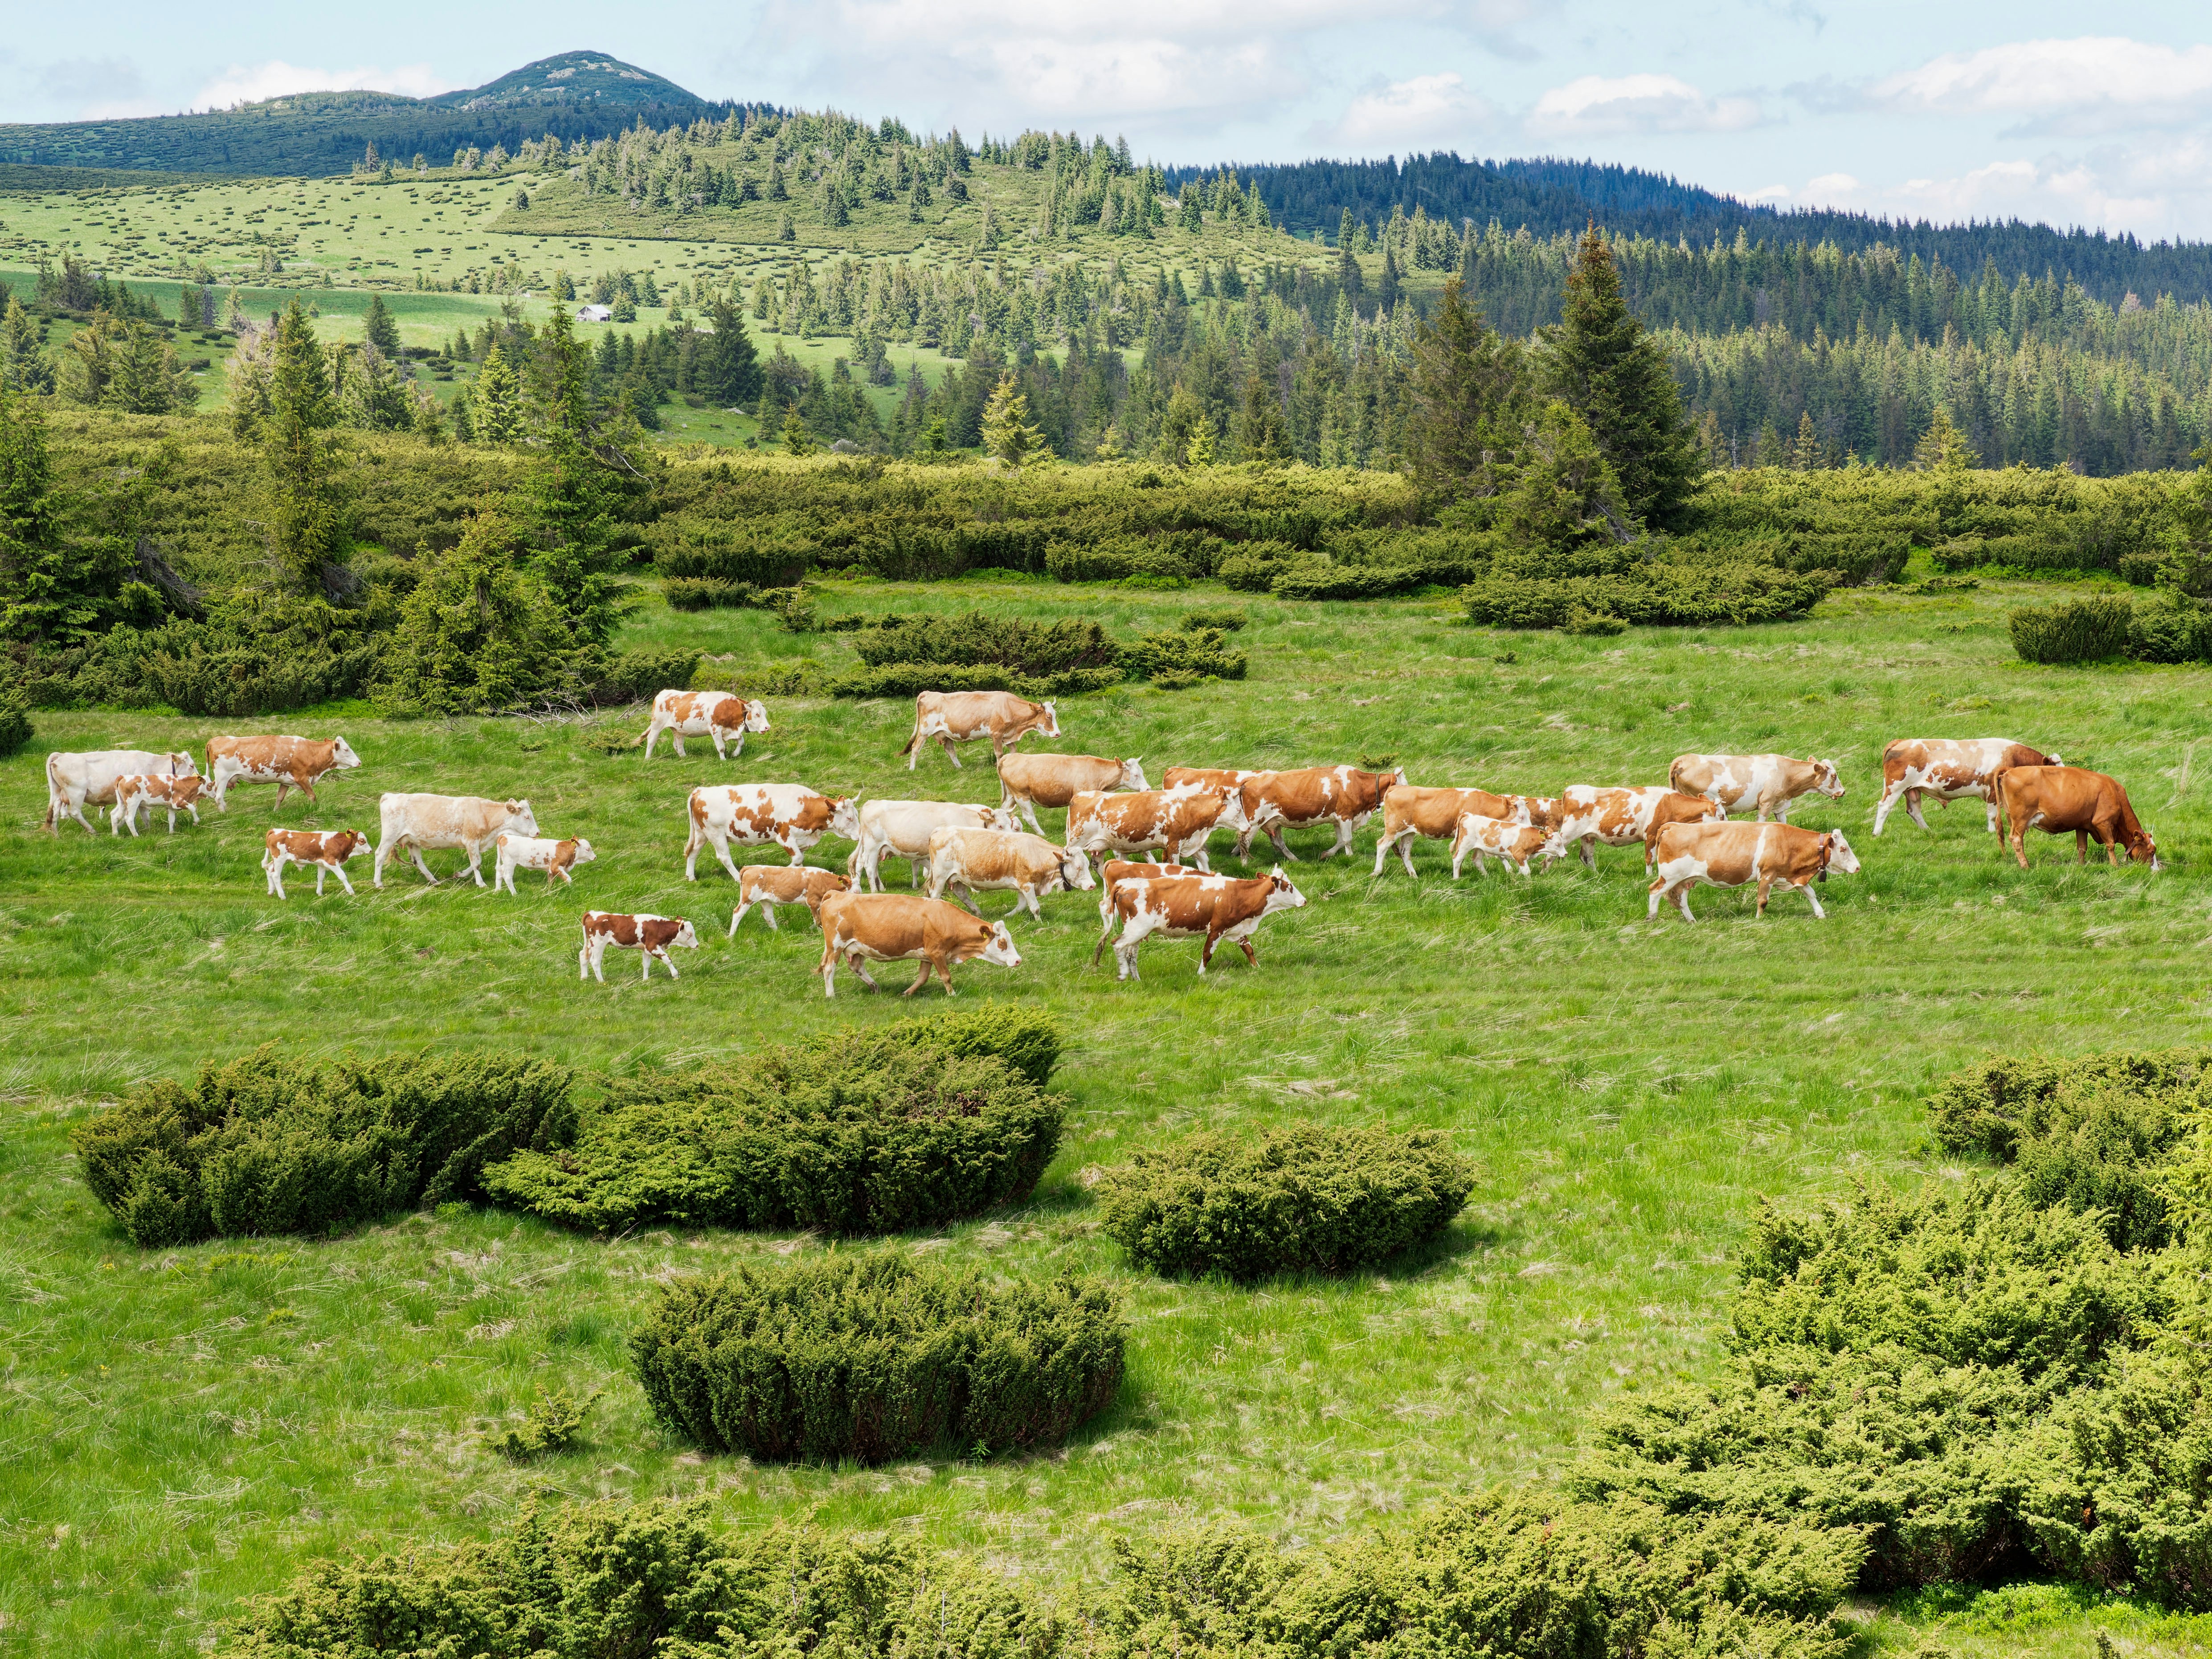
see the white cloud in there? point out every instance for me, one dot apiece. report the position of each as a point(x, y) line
point(2097, 81)
point(1594, 104)
point(2167, 193)
point(1430, 111)
point(243, 83)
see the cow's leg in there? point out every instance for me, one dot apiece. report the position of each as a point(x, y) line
point(115, 821)
point(1250, 954)
point(853, 961)
point(1027, 896)
point(1989, 812)
point(75, 805)
point(1891, 795)
point(584, 960)
point(720, 752)
point(344, 881)
point(1765, 884)
point(2019, 844)
point(1206, 951)
point(1028, 810)
point(1681, 896)
point(503, 878)
point(1459, 853)
point(598, 950)
point(1658, 892)
point(1199, 858)
point(944, 967)
point(1383, 845)
point(1812, 899)
point(416, 852)
point(914, 874)
point(1345, 831)
point(1912, 799)
point(306, 787)
point(1275, 834)
point(738, 916)
point(276, 869)
point(283, 788)
point(651, 737)
point(947, 742)
point(475, 862)
point(922, 978)
point(1590, 861)
point(797, 850)
point(676, 737)
point(722, 854)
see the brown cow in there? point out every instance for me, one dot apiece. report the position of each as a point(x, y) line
point(1511, 844)
point(953, 717)
point(1028, 781)
point(1222, 779)
point(327, 850)
point(288, 762)
point(721, 715)
point(2057, 799)
point(1726, 854)
point(1767, 782)
point(1409, 810)
point(140, 791)
point(906, 927)
point(1949, 768)
point(770, 884)
point(1177, 822)
point(1214, 908)
point(1117, 870)
point(1342, 795)
point(966, 861)
point(1623, 818)
point(653, 937)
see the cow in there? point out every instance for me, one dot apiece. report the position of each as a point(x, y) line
point(1627, 816)
point(968, 861)
point(1028, 781)
point(555, 858)
point(770, 884)
point(1544, 811)
point(953, 717)
point(1767, 782)
point(905, 827)
point(327, 850)
point(1222, 779)
point(1341, 795)
point(1409, 810)
point(2057, 799)
point(1185, 907)
point(653, 937)
point(717, 715)
point(1177, 822)
point(1513, 843)
point(1949, 768)
point(76, 781)
point(139, 791)
point(288, 762)
point(1724, 854)
point(906, 927)
point(786, 815)
point(470, 823)
point(1119, 870)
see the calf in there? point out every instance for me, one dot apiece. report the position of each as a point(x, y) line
point(469, 823)
point(1514, 843)
point(2057, 799)
point(288, 762)
point(1949, 768)
point(138, 791)
point(770, 884)
point(966, 861)
point(1184, 907)
point(905, 827)
point(716, 714)
point(555, 858)
point(953, 717)
point(1624, 818)
point(906, 927)
point(652, 936)
point(327, 851)
point(1408, 811)
point(1767, 782)
point(76, 781)
point(1028, 781)
point(786, 815)
point(1726, 854)
point(1177, 822)
point(1343, 796)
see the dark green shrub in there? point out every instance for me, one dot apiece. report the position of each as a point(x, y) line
point(2171, 627)
point(1225, 621)
point(1252, 568)
point(1994, 1106)
point(709, 594)
point(1311, 579)
point(1195, 653)
point(772, 552)
point(1031, 648)
point(271, 1142)
point(905, 679)
point(1303, 1199)
point(872, 1355)
point(637, 676)
point(1110, 561)
point(2082, 630)
point(911, 1126)
point(14, 720)
point(551, 1423)
point(1651, 595)
point(1595, 623)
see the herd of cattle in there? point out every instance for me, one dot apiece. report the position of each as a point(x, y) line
point(955, 850)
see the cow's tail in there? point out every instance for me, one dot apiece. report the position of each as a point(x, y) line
point(1997, 799)
point(53, 795)
point(914, 741)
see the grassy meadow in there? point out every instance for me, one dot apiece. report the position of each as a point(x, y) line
point(189, 1427)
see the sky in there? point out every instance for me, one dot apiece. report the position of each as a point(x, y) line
point(1948, 111)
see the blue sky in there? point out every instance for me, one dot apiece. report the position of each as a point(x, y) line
point(1944, 110)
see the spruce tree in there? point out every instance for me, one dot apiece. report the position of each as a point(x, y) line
point(1770, 451)
point(1468, 390)
point(727, 368)
point(589, 473)
point(302, 457)
point(378, 324)
point(23, 367)
point(797, 438)
point(1386, 292)
point(1006, 431)
point(1600, 361)
point(496, 401)
point(1259, 433)
point(1805, 453)
point(1943, 447)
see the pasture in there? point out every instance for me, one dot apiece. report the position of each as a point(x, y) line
point(190, 1427)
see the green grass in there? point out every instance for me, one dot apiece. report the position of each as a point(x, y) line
point(188, 1427)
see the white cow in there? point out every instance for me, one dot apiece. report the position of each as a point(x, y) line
point(469, 823)
point(969, 861)
point(721, 715)
point(905, 827)
point(74, 781)
point(555, 858)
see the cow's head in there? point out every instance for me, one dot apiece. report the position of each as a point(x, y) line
point(756, 714)
point(686, 938)
point(998, 818)
point(2143, 849)
point(1828, 780)
point(1000, 947)
point(356, 844)
point(1051, 726)
point(1555, 846)
point(181, 766)
point(583, 854)
point(2050, 760)
point(1281, 895)
point(1841, 859)
point(520, 819)
point(341, 753)
point(1075, 872)
point(1133, 774)
point(1235, 810)
point(845, 816)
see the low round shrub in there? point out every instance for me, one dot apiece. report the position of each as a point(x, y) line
point(2086, 631)
point(1302, 1199)
point(14, 720)
point(868, 1356)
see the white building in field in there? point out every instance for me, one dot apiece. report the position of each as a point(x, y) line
point(595, 314)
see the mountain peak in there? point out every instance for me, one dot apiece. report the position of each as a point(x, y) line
point(570, 80)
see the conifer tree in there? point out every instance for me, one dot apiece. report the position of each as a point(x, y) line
point(1943, 447)
point(496, 401)
point(1468, 392)
point(304, 517)
point(1006, 431)
point(23, 367)
point(1770, 451)
point(378, 324)
point(1386, 291)
point(727, 368)
point(1259, 434)
point(1805, 453)
point(798, 439)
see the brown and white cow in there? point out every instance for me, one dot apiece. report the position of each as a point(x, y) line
point(327, 850)
point(1724, 854)
point(1627, 816)
point(1514, 844)
point(863, 927)
point(1409, 810)
point(786, 815)
point(1028, 781)
point(1222, 779)
point(1177, 822)
point(721, 715)
point(1219, 910)
point(76, 781)
point(770, 884)
point(555, 858)
point(138, 791)
point(469, 823)
point(1119, 870)
point(653, 937)
point(903, 828)
point(1767, 783)
point(969, 861)
point(1949, 768)
point(288, 762)
point(2057, 799)
point(1343, 796)
point(953, 717)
